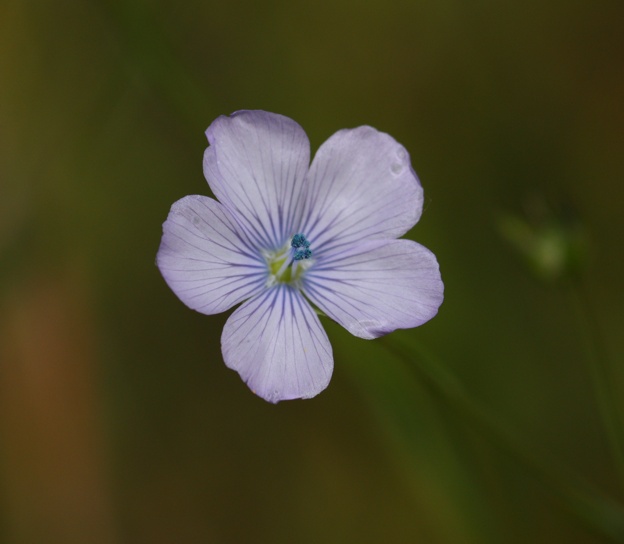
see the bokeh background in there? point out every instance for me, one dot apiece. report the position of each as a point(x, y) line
point(119, 422)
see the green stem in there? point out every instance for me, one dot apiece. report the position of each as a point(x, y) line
point(599, 512)
point(150, 54)
point(601, 373)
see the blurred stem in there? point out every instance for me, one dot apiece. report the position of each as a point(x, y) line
point(597, 511)
point(600, 371)
point(151, 55)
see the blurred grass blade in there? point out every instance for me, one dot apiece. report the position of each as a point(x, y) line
point(599, 513)
point(450, 498)
point(600, 371)
point(151, 56)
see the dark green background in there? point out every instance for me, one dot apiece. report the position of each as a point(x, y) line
point(120, 422)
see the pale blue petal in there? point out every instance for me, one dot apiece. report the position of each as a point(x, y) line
point(276, 343)
point(377, 287)
point(205, 259)
point(361, 186)
point(256, 165)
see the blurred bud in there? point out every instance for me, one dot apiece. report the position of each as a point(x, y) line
point(550, 237)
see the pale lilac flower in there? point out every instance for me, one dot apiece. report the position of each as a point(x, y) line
point(285, 236)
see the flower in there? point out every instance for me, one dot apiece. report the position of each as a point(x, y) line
point(286, 236)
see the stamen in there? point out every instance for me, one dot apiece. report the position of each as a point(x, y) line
point(301, 246)
point(299, 240)
point(287, 265)
point(302, 254)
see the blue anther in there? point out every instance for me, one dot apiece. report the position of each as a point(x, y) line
point(302, 254)
point(299, 240)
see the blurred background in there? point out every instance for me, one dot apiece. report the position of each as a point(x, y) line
point(119, 422)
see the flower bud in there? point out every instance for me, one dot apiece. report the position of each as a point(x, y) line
point(550, 238)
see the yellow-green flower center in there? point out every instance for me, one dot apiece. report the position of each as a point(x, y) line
point(288, 264)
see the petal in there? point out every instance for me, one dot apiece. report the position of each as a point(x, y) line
point(377, 287)
point(276, 343)
point(205, 259)
point(361, 186)
point(256, 165)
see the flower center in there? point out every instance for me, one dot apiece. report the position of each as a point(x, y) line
point(288, 264)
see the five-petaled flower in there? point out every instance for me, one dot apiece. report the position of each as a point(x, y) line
point(286, 236)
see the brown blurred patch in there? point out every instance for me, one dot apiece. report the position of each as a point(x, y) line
point(53, 462)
